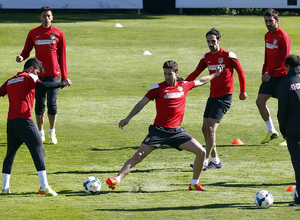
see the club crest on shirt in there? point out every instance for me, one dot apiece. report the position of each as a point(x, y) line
point(52, 36)
point(147, 139)
point(220, 59)
point(180, 88)
point(274, 41)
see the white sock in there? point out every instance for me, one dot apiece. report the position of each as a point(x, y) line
point(194, 182)
point(43, 179)
point(206, 161)
point(51, 130)
point(42, 132)
point(6, 181)
point(118, 178)
point(215, 160)
point(270, 126)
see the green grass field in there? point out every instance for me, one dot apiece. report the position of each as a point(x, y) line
point(109, 76)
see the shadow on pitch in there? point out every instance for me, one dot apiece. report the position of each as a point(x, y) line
point(249, 185)
point(164, 147)
point(105, 172)
point(185, 208)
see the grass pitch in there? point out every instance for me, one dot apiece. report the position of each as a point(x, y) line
point(109, 76)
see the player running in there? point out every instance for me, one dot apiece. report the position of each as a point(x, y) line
point(20, 125)
point(221, 90)
point(170, 98)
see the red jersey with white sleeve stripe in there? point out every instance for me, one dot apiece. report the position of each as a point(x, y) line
point(20, 90)
point(277, 48)
point(50, 49)
point(170, 102)
point(224, 83)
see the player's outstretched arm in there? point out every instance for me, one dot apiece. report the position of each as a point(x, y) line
point(205, 79)
point(136, 109)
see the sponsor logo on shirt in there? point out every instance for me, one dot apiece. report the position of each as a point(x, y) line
point(214, 67)
point(295, 86)
point(271, 46)
point(173, 95)
point(15, 80)
point(45, 42)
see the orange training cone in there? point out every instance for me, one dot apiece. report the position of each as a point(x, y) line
point(290, 189)
point(237, 142)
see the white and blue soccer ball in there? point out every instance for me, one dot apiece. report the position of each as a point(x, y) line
point(295, 194)
point(263, 199)
point(92, 185)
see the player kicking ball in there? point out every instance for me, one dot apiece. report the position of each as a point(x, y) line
point(170, 98)
point(21, 128)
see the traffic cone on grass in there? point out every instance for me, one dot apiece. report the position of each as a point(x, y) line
point(237, 142)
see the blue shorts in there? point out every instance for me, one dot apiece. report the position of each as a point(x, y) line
point(216, 108)
point(271, 87)
point(173, 137)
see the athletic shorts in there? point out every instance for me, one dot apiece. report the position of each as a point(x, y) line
point(216, 108)
point(271, 87)
point(173, 137)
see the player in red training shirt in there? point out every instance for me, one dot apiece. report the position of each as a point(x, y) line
point(277, 48)
point(170, 98)
point(20, 125)
point(221, 90)
point(50, 48)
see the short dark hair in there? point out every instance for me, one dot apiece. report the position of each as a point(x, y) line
point(171, 65)
point(292, 60)
point(46, 8)
point(215, 32)
point(35, 63)
point(271, 12)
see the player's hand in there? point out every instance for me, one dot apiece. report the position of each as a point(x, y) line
point(67, 82)
point(123, 122)
point(219, 69)
point(243, 96)
point(19, 59)
point(266, 77)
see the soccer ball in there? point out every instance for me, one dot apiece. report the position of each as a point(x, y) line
point(295, 194)
point(263, 199)
point(92, 185)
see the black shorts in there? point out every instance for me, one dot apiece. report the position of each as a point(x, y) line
point(173, 137)
point(271, 87)
point(216, 108)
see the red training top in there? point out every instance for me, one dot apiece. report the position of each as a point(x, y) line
point(20, 90)
point(170, 102)
point(277, 48)
point(223, 84)
point(50, 49)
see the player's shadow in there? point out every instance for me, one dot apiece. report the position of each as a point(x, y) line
point(126, 148)
point(104, 172)
point(248, 185)
point(185, 208)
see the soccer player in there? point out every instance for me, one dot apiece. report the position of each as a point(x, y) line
point(20, 125)
point(221, 91)
point(277, 48)
point(50, 48)
point(288, 114)
point(170, 98)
